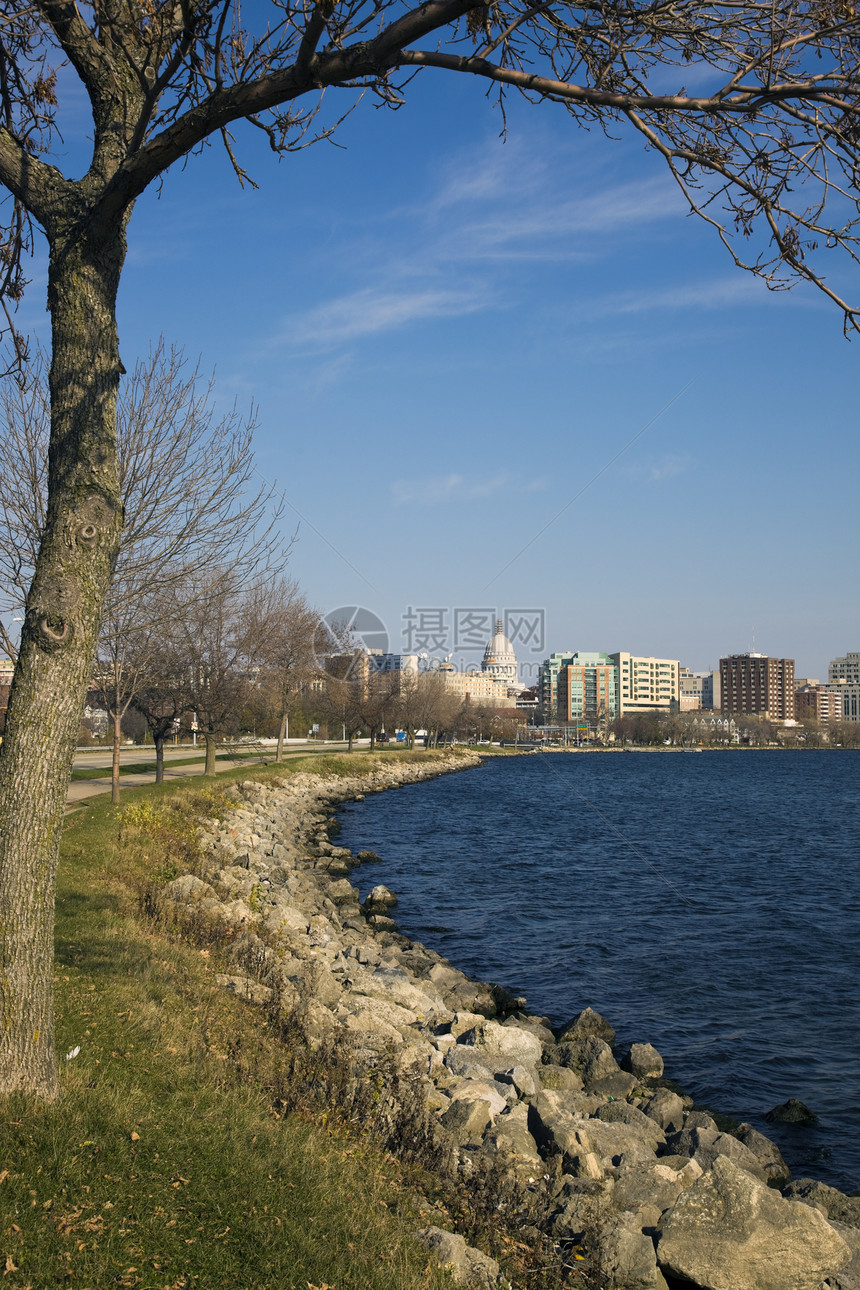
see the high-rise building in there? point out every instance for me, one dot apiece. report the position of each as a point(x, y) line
point(818, 702)
point(846, 668)
point(847, 696)
point(756, 684)
point(647, 684)
point(587, 688)
point(697, 690)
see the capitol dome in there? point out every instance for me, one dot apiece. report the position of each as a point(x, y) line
point(500, 661)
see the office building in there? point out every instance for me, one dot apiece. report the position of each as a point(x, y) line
point(846, 668)
point(647, 684)
point(757, 685)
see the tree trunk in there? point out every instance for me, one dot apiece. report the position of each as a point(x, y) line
point(281, 733)
point(58, 641)
point(210, 753)
point(159, 759)
point(114, 774)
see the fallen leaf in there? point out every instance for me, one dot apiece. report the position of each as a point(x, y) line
point(135, 1137)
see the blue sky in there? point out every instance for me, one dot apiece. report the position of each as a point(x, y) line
point(448, 336)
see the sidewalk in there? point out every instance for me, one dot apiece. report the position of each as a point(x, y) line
point(80, 790)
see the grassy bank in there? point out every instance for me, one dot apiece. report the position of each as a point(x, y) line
point(171, 1160)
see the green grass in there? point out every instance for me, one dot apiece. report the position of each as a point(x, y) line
point(168, 1163)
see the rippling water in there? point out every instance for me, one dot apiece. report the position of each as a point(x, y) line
point(706, 903)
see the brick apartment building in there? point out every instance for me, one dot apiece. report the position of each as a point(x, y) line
point(818, 702)
point(757, 685)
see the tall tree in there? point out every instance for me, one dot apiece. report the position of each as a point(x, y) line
point(288, 626)
point(772, 134)
point(190, 499)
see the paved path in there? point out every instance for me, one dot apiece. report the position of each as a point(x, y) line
point(81, 789)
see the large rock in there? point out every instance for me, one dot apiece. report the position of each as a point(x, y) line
point(591, 1058)
point(585, 1025)
point(667, 1108)
point(648, 1188)
point(504, 1046)
point(623, 1113)
point(467, 1120)
point(791, 1112)
point(643, 1061)
point(468, 1266)
point(625, 1256)
point(582, 1141)
point(709, 1146)
point(467, 1063)
point(189, 889)
point(833, 1204)
point(729, 1231)
point(767, 1153)
point(509, 1138)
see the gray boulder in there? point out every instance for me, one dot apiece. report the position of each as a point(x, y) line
point(643, 1061)
point(560, 1078)
point(468, 1266)
point(591, 1058)
point(767, 1153)
point(729, 1231)
point(648, 1188)
point(710, 1145)
point(190, 889)
point(625, 1256)
point(467, 1063)
point(667, 1108)
point(503, 1046)
point(617, 1085)
point(833, 1204)
point(588, 1146)
point(586, 1025)
point(467, 1120)
point(623, 1113)
point(791, 1112)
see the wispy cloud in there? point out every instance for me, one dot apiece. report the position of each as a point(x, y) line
point(438, 489)
point(371, 311)
point(713, 293)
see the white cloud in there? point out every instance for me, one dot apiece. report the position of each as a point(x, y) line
point(668, 467)
point(437, 489)
point(371, 311)
point(715, 293)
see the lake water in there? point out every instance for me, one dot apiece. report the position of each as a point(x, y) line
point(703, 902)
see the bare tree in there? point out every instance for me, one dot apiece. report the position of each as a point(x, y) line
point(288, 628)
point(190, 498)
point(217, 638)
point(767, 152)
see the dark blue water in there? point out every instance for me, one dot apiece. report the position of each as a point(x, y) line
point(706, 903)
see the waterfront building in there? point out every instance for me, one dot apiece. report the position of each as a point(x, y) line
point(476, 687)
point(548, 684)
point(647, 684)
point(846, 668)
point(587, 688)
point(818, 702)
point(847, 693)
point(696, 690)
point(564, 695)
point(500, 661)
point(758, 685)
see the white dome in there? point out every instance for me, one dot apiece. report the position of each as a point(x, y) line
point(500, 661)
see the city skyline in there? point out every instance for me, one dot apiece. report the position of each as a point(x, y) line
point(513, 374)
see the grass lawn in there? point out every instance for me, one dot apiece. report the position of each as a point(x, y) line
point(167, 1163)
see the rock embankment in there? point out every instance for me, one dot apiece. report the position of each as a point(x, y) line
point(658, 1196)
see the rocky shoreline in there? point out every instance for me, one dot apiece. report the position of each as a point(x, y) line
point(623, 1162)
